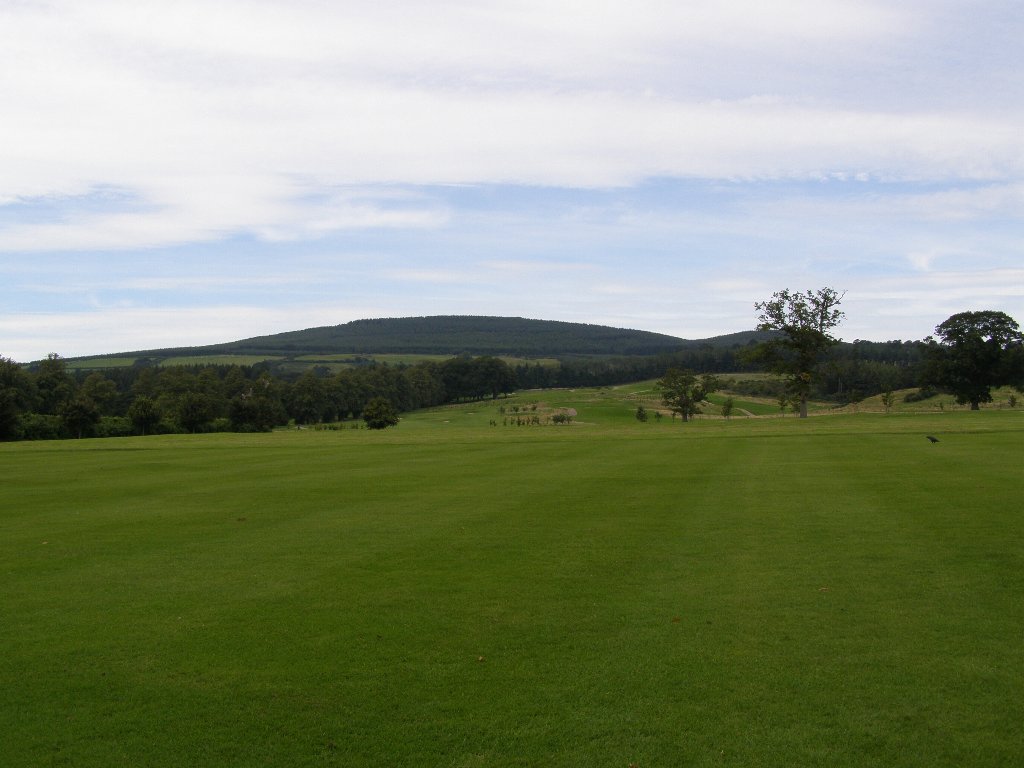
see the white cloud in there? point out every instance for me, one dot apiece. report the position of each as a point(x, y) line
point(133, 126)
point(922, 260)
point(209, 113)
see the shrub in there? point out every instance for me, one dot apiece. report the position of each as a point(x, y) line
point(379, 414)
point(923, 393)
point(114, 426)
point(39, 426)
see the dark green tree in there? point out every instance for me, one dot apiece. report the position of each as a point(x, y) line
point(17, 396)
point(146, 383)
point(194, 411)
point(234, 382)
point(54, 383)
point(379, 413)
point(491, 376)
point(143, 414)
point(80, 415)
point(101, 391)
point(641, 413)
point(457, 375)
point(424, 385)
point(683, 392)
point(308, 401)
point(975, 352)
point(10, 413)
point(255, 413)
point(802, 325)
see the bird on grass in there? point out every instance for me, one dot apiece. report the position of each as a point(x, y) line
point(932, 439)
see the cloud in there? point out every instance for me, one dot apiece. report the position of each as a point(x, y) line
point(176, 283)
point(222, 118)
point(172, 214)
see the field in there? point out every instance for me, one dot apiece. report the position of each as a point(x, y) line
point(100, 363)
point(217, 360)
point(836, 591)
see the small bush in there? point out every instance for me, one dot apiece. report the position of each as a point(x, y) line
point(114, 426)
point(38, 426)
point(379, 413)
point(923, 393)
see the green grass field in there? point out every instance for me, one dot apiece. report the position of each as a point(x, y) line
point(100, 363)
point(217, 360)
point(835, 591)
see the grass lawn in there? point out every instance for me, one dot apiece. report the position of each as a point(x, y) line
point(777, 592)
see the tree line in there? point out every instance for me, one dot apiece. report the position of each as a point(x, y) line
point(50, 401)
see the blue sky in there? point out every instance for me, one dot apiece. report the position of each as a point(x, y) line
point(193, 172)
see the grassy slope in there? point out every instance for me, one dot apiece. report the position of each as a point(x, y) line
point(755, 592)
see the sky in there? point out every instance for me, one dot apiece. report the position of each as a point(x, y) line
point(187, 173)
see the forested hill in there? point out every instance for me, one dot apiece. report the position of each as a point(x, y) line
point(458, 334)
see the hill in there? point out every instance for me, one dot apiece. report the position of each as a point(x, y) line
point(454, 335)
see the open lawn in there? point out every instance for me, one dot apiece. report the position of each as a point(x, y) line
point(835, 591)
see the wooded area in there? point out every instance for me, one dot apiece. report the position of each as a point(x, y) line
point(49, 399)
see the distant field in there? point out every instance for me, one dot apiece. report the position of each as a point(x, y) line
point(647, 394)
point(99, 363)
point(217, 360)
point(1001, 399)
point(834, 591)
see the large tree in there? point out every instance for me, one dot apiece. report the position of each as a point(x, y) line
point(802, 324)
point(975, 352)
point(683, 392)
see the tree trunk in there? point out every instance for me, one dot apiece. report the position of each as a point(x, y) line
point(803, 407)
point(975, 406)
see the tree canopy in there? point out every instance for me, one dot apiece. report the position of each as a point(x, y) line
point(975, 352)
point(379, 413)
point(683, 392)
point(802, 324)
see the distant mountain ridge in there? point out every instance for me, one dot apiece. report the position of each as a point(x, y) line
point(459, 334)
